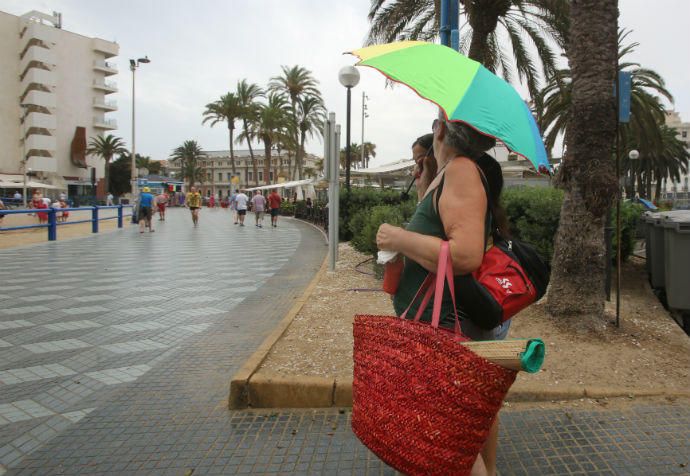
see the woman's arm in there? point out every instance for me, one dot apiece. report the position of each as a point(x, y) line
point(462, 208)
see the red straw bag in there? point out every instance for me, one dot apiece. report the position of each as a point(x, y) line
point(421, 402)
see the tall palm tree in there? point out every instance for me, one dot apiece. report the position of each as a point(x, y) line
point(554, 112)
point(369, 151)
point(270, 126)
point(247, 95)
point(486, 25)
point(587, 174)
point(227, 109)
point(666, 162)
point(312, 116)
point(298, 84)
point(106, 147)
point(189, 156)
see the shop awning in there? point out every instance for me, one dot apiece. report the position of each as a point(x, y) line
point(292, 184)
point(386, 169)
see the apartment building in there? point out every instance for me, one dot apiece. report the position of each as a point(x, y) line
point(55, 86)
point(218, 176)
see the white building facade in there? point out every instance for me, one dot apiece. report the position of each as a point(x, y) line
point(55, 97)
point(217, 177)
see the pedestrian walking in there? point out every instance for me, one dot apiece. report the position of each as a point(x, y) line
point(259, 206)
point(193, 202)
point(241, 201)
point(146, 202)
point(109, 199)
point(38, 202)
point(274, 204)
point(161, 203)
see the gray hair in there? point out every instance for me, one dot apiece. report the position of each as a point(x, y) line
point(467, 141)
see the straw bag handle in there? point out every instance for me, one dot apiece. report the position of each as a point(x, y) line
point(444, 272)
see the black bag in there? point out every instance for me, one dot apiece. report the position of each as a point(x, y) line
point(512, 276)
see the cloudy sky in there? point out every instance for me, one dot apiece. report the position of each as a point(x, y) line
point(200, 49)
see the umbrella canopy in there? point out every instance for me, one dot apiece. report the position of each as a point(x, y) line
point(464, 90)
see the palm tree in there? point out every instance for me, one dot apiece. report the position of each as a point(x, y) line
point(312, 115)
point(298, 84)
point(189, 155)
point(486, 25)
point(666, 162)
point(269, 127)
point(106, 147)
point(247, 95)
point(554, 112)
point(369, 150)
point(227, 109)
point(587, 174)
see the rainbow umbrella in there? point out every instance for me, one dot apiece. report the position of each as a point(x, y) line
point(464, 90)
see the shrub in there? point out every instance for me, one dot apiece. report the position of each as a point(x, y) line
point(534, 213)
point(630, 215)
point(360, 200)
point(287, 208)
point(364, 240)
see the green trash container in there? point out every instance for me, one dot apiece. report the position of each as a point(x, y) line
point(648, 219)
point(677, 260)
point(656, 255)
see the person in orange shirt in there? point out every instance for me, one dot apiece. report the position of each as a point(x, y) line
point(274, 204)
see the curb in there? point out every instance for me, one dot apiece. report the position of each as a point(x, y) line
point(240, 393)
point(275, 391)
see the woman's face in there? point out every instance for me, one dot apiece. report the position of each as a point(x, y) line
point(418, 153)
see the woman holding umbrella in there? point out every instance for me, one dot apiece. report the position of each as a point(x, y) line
point(454, 208)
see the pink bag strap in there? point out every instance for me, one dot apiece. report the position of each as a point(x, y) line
point(444, 272)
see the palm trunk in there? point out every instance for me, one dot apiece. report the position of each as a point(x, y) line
point(300, 162)
point(106, 176)
point(251, 154)
point(657, 192)
point(232, 151)
point(588, 173)
point(483, 17)
point(267, 161)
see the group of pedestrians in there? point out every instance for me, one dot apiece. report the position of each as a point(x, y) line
point(239, 204)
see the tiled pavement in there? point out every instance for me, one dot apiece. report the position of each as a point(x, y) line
point(123, 367)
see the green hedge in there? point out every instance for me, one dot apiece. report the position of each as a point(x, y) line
point(533, 213)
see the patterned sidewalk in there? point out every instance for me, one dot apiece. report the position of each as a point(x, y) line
point(122, 366)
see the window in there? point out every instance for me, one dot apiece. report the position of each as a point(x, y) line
point(220, 176)
point(250, 176)
point(208, 177)
point(261, 176)
point(229, 176)
point(270, 175)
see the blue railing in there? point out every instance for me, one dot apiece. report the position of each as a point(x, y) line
point(53, 222)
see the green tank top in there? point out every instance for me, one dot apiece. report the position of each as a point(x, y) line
point(426, 221)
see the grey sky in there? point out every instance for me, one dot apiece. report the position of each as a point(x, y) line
point(199, 50)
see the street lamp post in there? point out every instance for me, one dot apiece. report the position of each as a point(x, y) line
point(364, 115)
point(26, 171)
point(633, 155)
point(133, 65)
point(349, 77)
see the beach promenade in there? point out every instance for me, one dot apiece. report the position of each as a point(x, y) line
point(116, 352)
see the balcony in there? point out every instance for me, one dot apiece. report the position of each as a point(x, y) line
point(105, 105)
point(40, 98)
point(40, 142)
point(36, 31)
point(106, 86)
point(37, 53)
point(38, 76)
point(108, 48)
point(106, 67)
point(101, 123)
point(42, 121)
point(41, 164)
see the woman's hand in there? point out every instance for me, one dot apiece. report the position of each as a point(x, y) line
point(387, 237)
